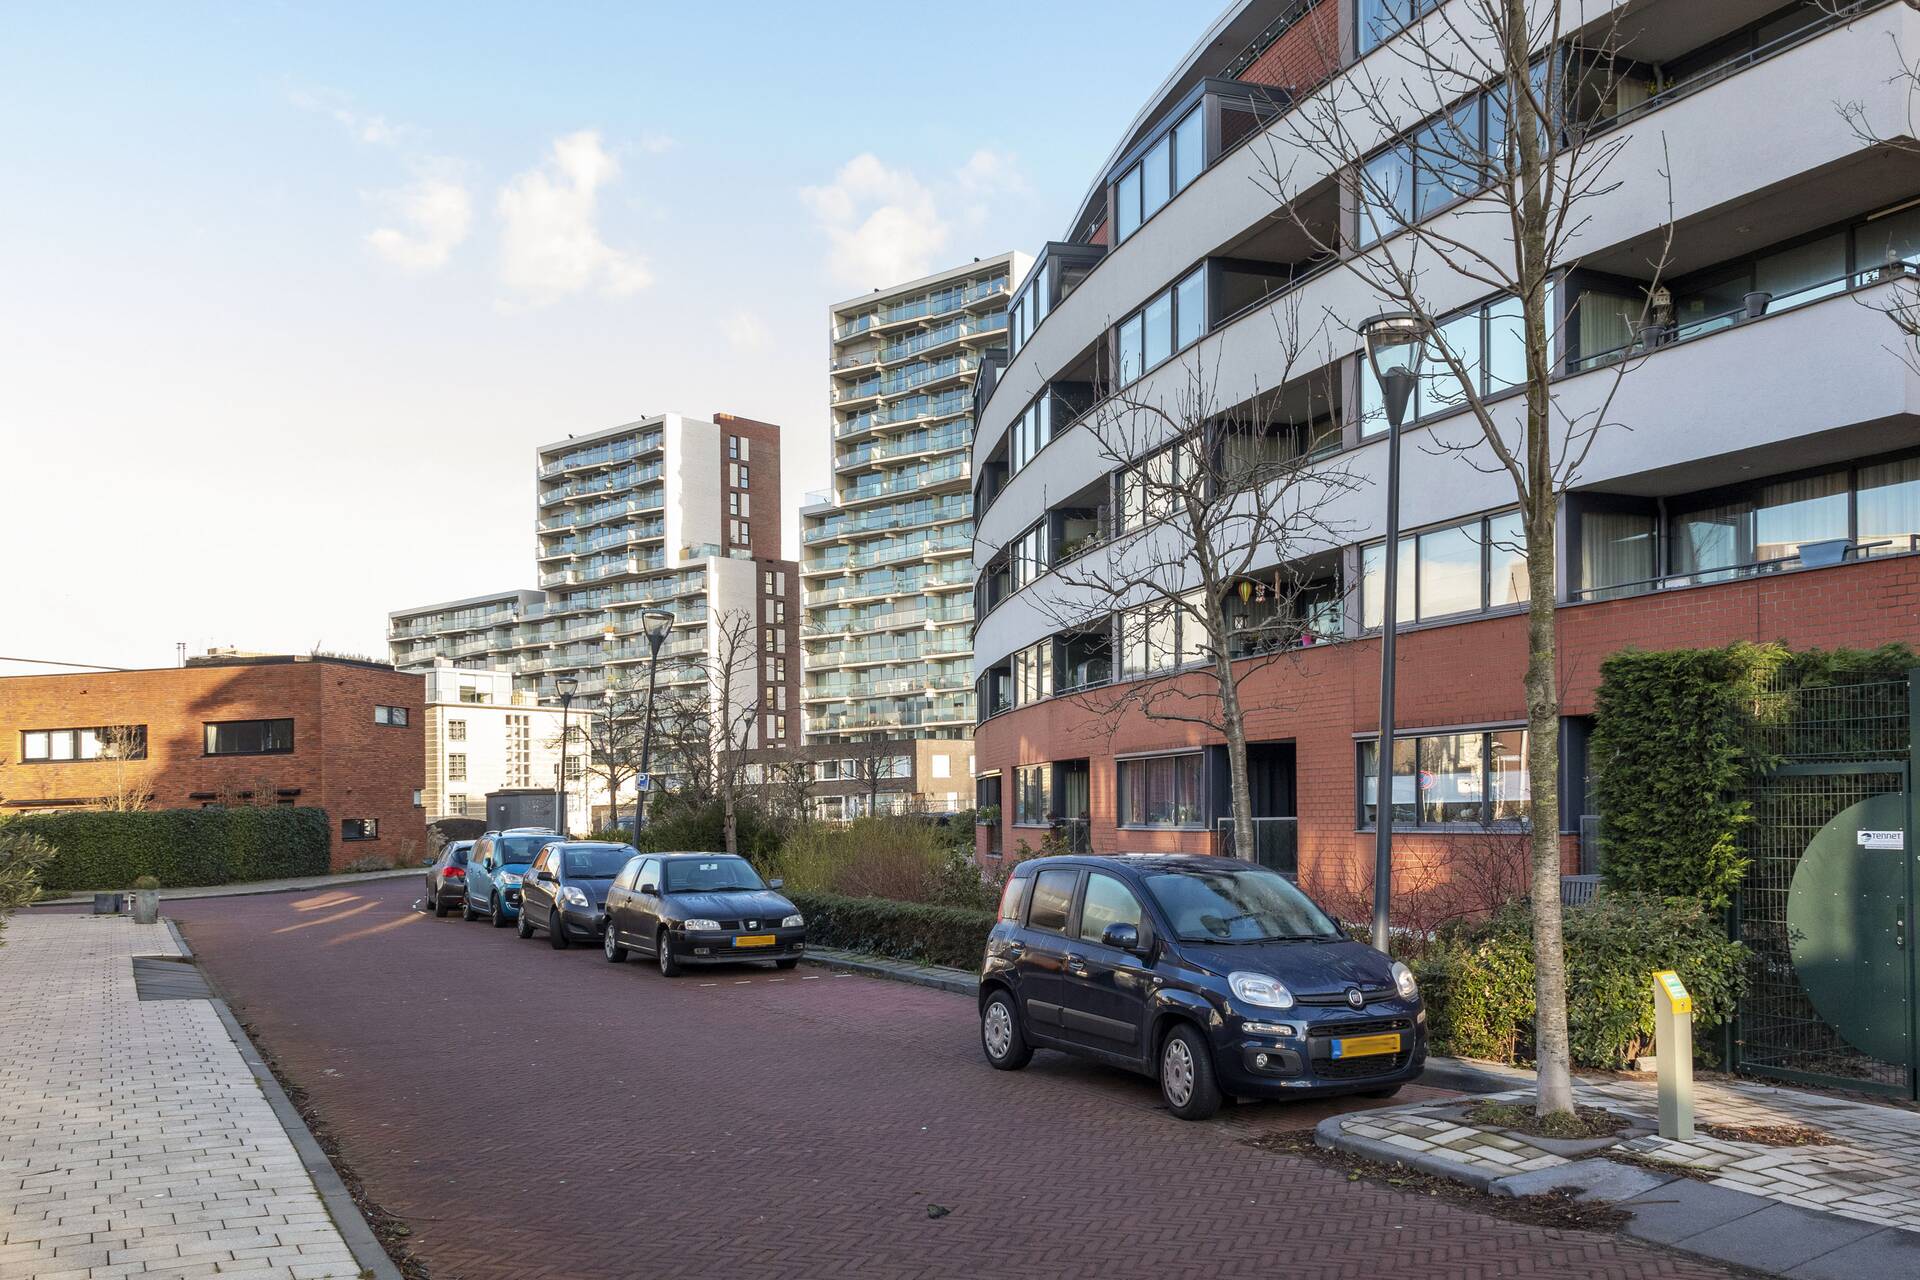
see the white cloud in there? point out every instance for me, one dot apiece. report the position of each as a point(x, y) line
point(438, 213)
point(372, 129)
point(990, 172)
point(883, 224)
point(745, 331)
point(550, 245)
point(657, 143)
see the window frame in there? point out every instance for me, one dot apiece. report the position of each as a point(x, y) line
point(1480, 529)
point(209, 726)
point(1121, 799)
point(74, 744)
point(389, 716)
point(1486, 733)
point(368, 829)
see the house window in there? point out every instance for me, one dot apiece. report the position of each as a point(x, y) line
point(574, 767)
point(250, 738)
point(1033, 795)
point(359, 829)
point(1169, 165)
point(1032, 677)
point(1450, 779)
point(1461, 569)
point(986, 807)
point(1173, 320)
point(457, 768)
point(396, 716)
point(456, 730)
point(457, 806)
point(105, 742)
point(1159, 791)
point(1487, 340)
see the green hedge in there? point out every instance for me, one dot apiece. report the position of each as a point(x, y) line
point(1478, 982)
point(951, 936)
point(180, 847)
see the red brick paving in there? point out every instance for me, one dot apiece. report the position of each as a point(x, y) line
point(536, 1113)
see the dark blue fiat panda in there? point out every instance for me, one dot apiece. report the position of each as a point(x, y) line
point(1218, 978)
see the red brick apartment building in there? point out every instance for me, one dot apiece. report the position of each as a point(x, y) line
point(335, 733)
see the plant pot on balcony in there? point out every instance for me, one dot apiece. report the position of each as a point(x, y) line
point(1757, 303)
point(1652, 335)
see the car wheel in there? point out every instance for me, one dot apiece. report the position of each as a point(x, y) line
point(498, 914)
point(1000, 1034)
point(524, 925)
point(1186, 1075)
point(669, 962)
point(786, 964)
point(467, 912)
point(616, 954)
point(556, 932)
point(1387, 1092)
point(440, 907)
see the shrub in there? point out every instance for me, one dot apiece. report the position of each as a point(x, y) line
point(445, 831)
point(612, 835)
point(901, 858)
point(23, 855)
point(679, 826)
point(1478, 980)
point(916, 931)
point(146, 882)
point(179, 847)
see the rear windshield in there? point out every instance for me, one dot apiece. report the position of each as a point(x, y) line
point(1250, 904)
point(520, 848)
point(710, 875)
point(459, 856)
point(595, 862)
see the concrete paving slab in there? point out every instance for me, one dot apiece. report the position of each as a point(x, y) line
point(1778, 1238)
point(1887, 1252)
point(1683, 1208)
point(1597, 1179)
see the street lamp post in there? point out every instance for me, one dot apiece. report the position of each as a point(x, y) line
point(657, 623)
point(1396, 343)
point(567, 685)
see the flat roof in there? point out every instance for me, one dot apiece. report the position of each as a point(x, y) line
point(976, 267)
point(206, 663)
point(519, 595)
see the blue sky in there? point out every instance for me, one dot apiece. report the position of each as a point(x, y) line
point(292, 291)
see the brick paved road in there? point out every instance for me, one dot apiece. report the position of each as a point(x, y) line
point(538, 1113)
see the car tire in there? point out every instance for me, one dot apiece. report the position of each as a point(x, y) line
point(440, 907)
point(1000, 1030)
point(556, 931)
point(467, 912)
point(663, 951)
point(616, 954)
point(523, 926)
point(1187, 1082)
point(498, 916)
point(1386, 1092)
point(786, 964)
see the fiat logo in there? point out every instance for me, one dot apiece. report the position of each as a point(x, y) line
point(1354, 998)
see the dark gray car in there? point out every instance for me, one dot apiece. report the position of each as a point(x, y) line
point(565, 892)
point(447, 877)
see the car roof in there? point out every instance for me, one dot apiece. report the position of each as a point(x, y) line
point(593, 844)
point(1138, 862)
point(693, 854)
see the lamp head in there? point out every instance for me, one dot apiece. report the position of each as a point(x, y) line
point(1396, 345)
point(656, 623)
point(567, 685)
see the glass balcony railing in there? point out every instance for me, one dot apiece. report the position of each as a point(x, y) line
point(946, 405)
point(903, 446)
point(612, 481)
point(890, 518)
point(949, 332)
point(913, 481)
point(464, 620)
point(888, 585)
point(603, 454)
point(897, 381)
point(609, 538)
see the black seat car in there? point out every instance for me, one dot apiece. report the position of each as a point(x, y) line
point(700, 908)
point(565, 890)
point(447, 877)
point(1218, 978)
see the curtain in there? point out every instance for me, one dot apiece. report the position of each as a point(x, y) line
point(1889, 505)
point(1607, 321)
point(1616, 547)
point(1795, 511)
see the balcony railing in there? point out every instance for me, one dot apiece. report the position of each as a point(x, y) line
point(949, 404)
point(870, 521)
point(603, 455)
point(1276, 843)
point(1812, 555)
point(953, 331)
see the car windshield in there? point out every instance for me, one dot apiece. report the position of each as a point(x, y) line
point(710, 875)
point(595, 861)
point(520, 848)
point(1249, 904)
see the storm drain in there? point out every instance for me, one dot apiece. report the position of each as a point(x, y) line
point(158, 978)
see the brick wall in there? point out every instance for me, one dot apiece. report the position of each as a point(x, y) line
point(1467, 673)
point(763, 480)
point(341, 760)
point(1305, 53)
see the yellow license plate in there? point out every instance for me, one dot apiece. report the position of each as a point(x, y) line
point(1362, 1046)
point(767, 940)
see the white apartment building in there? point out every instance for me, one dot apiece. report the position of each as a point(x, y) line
point(887, 549)
point(483, 736)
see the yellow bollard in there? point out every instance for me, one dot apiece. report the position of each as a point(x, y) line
point(1673, 1045)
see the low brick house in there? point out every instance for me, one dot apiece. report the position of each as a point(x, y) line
point(340, 734)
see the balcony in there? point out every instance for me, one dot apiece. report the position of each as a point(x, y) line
point(953, 331)
point(840, 526)
point(951, 404)
point(913, 481)
point(919, 442)
point(615, 451)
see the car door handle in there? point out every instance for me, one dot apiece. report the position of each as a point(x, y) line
point(1077, 965)
point(1015, 949)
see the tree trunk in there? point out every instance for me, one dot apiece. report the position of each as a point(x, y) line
point(728, 827)
point(1551, 1047)
point(1233, 724)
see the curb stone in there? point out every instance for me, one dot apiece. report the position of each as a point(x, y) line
point(247, 888)
point(955, 981)
point(1329, 1135)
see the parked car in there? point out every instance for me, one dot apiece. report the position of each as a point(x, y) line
point(495, 870)
point(565, 891)
point(700, 908)
point(447, 877)
point(1217, 978)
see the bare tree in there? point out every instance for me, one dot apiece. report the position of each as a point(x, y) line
point(124, 748)
point(731, 685)
point(616, 741)
point(1221, 554)
point(1471, 158)
point(876, 763)
point(787, 786)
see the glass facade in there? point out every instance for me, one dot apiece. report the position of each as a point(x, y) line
point(1449, 779)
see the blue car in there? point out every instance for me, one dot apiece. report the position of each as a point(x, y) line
point(495, 870)
point(1217, 978)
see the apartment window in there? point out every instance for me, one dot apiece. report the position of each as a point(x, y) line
point(1029, 556)
point(733, 446)
point(1159, 791)
point(471, 693)
point(1031, 432)
point(779, 610)
point(1032, 676)
point(249, 737)
point(1171, 321)
point(775, 582)
point(737, 504)
point(1377, 21)
point(457, 806)
point(746, 452)
point(1151, 489)
point(737, 474)
point(456, 767)
point(575, 735)
point(1033, 795)
point(1450, 779)
point(1489, 342)
point(939, 766)
point(396, 716)
point(1464, 568)
point(1770, 522)
point(456, 731)
point(737, 532)
point(777, 669)
point(575, 768)
point(1159, 636)
point(359, 829)
point(105, 742)
point(1169, 165)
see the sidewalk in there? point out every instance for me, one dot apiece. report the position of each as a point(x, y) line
point(1846, 1203)
point(134, 1137)
point(245, 887)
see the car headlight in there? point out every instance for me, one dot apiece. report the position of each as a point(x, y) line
point(1260, 989)
point(510, 880)
point(794, 921)
point(574, 897)
point(711, 926)
point(1403, 981)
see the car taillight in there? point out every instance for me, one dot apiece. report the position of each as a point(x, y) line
point(454, 873)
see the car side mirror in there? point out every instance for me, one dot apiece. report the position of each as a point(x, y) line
point(776, 883)
point(1121, 937)
point(649, 888)
point(546, 876)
